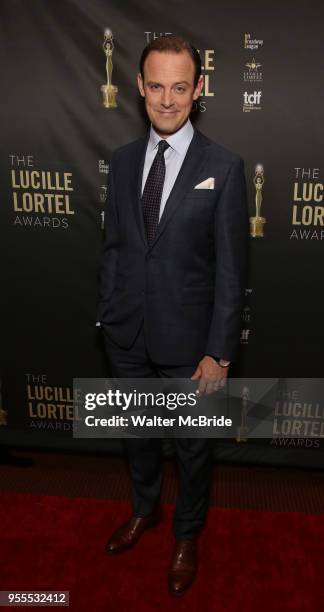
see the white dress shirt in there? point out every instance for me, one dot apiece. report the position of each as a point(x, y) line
point(174, 156)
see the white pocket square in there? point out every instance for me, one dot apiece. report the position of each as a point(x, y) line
point(207, 184)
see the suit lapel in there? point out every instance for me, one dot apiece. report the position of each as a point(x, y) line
point(190, 169)
point(137, 186)
point(192, 164)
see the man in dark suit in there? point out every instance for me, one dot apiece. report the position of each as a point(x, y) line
point(172, 281)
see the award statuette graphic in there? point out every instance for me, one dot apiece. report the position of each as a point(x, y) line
point(257, 222)
point(109, 90)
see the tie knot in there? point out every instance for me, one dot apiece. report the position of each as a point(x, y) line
point(163, 146)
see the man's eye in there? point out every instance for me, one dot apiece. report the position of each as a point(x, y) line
point(154, 86)
point(180, 88)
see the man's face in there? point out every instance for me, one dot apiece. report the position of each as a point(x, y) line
point(168, 89)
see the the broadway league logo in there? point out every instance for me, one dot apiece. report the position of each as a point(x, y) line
point(257, 222)
point(252, 43)
point(251, 101)
point(109, 91)
point(253, 74)
point(103, 167)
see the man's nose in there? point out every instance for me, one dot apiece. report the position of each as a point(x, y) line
point(167, 98)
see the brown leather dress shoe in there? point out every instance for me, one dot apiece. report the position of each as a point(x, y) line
point(183, 566)
point(129, 533)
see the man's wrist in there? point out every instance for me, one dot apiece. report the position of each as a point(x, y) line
point(223, 363)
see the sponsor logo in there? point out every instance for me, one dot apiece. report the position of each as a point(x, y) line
point(253, 73)
point(251, 101)
point(252, 43)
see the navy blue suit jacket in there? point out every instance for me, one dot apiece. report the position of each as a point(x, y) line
point(189, 284)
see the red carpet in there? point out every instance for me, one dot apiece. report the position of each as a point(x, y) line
point(251, 561)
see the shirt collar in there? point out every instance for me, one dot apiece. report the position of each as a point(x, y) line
point(179, 141)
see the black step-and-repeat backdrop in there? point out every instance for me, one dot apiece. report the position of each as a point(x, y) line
point(262, 66)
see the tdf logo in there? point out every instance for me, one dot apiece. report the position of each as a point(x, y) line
point(252, 98)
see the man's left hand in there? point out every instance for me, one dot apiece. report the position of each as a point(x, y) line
point(211, 375)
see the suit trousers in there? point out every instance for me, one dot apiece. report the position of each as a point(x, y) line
point(194, 459)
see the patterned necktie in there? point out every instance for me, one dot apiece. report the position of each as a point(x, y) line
point(151, 198)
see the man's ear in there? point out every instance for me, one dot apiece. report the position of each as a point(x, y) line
point(140, 85)
point(198, 88)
